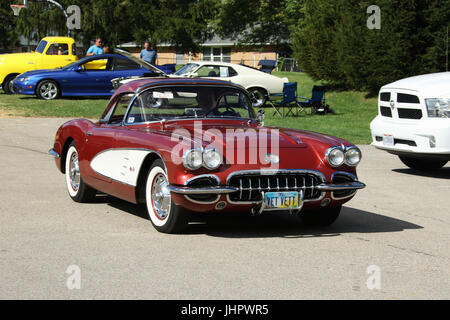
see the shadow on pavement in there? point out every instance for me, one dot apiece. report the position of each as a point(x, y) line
point(273, 224)
point(443, 173)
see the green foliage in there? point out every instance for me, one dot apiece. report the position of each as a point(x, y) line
point(182, 23)
point(334, 44)
point(258, 21)
point(8, 36)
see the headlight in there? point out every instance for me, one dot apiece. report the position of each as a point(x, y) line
point(335, 156)
point(23, 79)
point(352, 156)
point(192, 159)
point(211, 159)
point(438, 108)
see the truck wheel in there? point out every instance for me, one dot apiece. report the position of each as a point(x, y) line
point(422, 164)
point(47, 90)
point(8, 84)
point(320, 217)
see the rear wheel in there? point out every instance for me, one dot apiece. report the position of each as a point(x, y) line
point(8, 84)
point(320, 217)
point(78, 190)
point(423, 164)
point(164, 214)
point(258, 97)
point(47, 90)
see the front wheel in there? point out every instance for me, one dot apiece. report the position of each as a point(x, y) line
point(47, 90)
point(164, 214)
point(8, 86)
point(78, 190)
point(423, 164)
point(320, 217)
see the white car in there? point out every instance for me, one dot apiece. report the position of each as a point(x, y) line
point(414, 120)
point(261, 86)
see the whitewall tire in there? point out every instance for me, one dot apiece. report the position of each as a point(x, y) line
point(164, 214)
point(77, 189)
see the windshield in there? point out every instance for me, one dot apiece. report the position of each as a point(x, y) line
point(81, 61)
point(41, 46)
point(190, 67)
point(181, 102)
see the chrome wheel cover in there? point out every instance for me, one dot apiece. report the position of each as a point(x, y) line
point(161, 196)
point(74, 173)
point(48, 90)
point(257, 98)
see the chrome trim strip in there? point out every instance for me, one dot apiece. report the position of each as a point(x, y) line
point(356, 185)
point(202, 202)
point(53, 153)
point(208, 190)
point(352, 177)
point(213, 176)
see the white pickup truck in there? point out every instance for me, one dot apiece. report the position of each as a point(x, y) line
point(413, 120)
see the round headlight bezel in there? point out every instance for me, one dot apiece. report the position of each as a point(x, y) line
point(207, 164)
point(187, 159)
point(329, 154)
point(347, 154)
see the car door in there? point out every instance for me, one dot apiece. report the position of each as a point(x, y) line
point(56, 55)
point(91, 78)
point(101, 140)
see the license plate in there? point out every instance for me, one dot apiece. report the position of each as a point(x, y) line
point(282, 200)
point(388, 140)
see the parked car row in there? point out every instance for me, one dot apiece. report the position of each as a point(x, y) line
point(54, 71)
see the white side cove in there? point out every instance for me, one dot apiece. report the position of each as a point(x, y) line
point(122, 165)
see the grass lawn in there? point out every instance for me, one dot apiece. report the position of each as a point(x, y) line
point(351, 121)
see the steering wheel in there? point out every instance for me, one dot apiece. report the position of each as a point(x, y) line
point(229, 111)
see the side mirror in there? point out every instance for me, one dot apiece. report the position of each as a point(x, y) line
point(102, 121)
point(78, 68)
point(260, 117)
point(193, 75)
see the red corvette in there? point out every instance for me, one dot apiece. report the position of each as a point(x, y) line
point(184, 145)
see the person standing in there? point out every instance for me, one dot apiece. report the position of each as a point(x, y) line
point(96, 48)
point(149, 55)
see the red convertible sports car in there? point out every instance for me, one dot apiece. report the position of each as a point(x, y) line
point(196, 145)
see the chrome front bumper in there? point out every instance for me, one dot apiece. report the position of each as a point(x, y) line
point(355, 185)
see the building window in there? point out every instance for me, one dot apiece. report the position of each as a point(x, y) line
point(219, 54)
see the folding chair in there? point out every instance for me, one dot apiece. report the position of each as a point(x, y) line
point(289, 98)
point(267, 66)
point(316, 102)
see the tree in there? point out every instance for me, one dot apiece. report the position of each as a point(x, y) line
point(259, 21)
point(8, 36)
point(334, 43)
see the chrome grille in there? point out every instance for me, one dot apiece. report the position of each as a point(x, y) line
point(251, 185)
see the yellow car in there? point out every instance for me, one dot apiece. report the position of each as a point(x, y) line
point(51, 52)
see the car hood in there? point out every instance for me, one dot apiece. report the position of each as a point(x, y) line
point(245, 135)
point(433, 85)
point(41, 72)
point(24, 56)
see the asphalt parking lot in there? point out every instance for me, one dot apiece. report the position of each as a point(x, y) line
point(400, 224)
